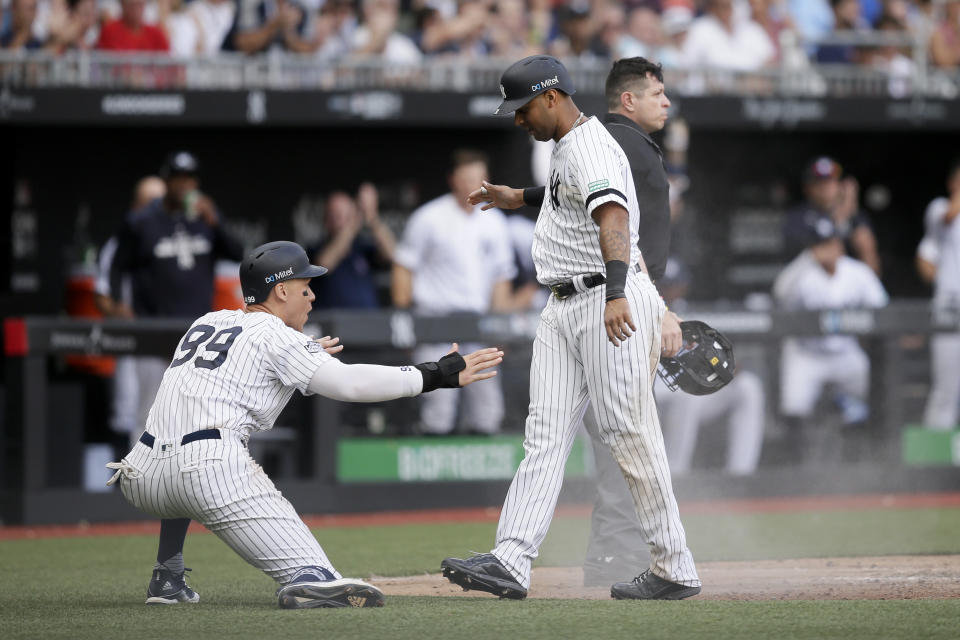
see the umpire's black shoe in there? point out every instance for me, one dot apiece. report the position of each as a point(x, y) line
point(167, 587)
point(650, 586)
point(483, 572)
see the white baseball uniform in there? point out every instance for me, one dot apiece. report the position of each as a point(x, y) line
point(574, 362)
point(807, 364)
point(215, 481)
point(456, 258)
point(941, 247)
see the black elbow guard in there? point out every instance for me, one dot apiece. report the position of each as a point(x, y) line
point(443, 374)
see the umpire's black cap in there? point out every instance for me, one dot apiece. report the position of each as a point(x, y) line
point(179, 163)
point(271, 263)
point(526, 79)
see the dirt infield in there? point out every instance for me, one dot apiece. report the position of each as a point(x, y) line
point(879, 578)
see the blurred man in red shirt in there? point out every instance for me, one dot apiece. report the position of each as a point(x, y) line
point(129, 33)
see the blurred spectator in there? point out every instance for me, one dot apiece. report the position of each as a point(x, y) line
point(333, 29)
point(846, 17)
point(578, 31)
point(461, 34)
point(892, 59)
point(125, 392)
point(611, 21)
point(19, 35)
point(514, 34)
point(716, 40)
point(822, 277)
point(938, 261)
point(644, 35)
point(827, 196)
point(813, 18)
point(169, 249)
point(453, 257)
point(198, 28)
point(79, 30)
point(675, 23)
point(129, 32)
point(261, 25)
point(351, 256)
point(770, 16)
point(378, 35)
point(945, 40)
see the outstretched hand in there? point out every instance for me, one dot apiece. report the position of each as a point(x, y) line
point(330, 345)
point(480, 364)
point(496, 195)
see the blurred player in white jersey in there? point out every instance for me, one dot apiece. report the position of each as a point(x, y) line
point(823, 277)
point(938, 261)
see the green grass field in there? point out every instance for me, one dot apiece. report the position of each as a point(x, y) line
point(93, 587)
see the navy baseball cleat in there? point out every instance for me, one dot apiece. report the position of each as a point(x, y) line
point(650, 586)
point(315, 590)
point(167, 587)
point(483, 572)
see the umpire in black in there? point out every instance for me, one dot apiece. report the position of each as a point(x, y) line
point(637, 106)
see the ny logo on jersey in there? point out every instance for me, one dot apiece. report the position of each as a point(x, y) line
point(554, 189)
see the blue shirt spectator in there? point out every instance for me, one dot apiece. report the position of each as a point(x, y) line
point(351, 257)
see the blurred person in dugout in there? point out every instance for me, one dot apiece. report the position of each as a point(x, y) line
point(168, 250)
point(938, 262)
point(356, 245)
point(452, 258)
point(832, 196)
point(823, 277)
point(742, 403)
point(124, 405)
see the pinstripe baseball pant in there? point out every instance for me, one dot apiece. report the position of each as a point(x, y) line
point(218, 484)
point(573, 361)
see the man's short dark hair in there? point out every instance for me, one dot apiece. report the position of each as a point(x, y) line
point(624, 73)
point(462, 157)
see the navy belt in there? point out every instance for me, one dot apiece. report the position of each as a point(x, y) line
point(203, 434)
point(564, 290)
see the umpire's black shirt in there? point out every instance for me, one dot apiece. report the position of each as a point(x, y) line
point(653, 190)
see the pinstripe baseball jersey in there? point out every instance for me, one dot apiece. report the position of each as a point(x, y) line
point(574, 362)
point(268, 362)
point(587, 169)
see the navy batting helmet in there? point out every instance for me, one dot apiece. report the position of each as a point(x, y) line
point(525, 79)
point(271, 263)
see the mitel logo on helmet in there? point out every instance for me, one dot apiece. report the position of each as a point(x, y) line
point(280, 275)
point(543, 84)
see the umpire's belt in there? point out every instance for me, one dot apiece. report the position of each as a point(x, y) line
point(580, 283)
point(203, 434)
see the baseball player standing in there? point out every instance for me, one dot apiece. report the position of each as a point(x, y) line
point(598, 341)
point(232, 374)
point(938, 260)
point(638, 106)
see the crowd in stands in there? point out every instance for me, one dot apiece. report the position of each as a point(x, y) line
point(731, 34)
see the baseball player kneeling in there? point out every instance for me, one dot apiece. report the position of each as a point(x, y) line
point(232, 374)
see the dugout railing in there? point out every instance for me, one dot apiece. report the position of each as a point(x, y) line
point(33, 344)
